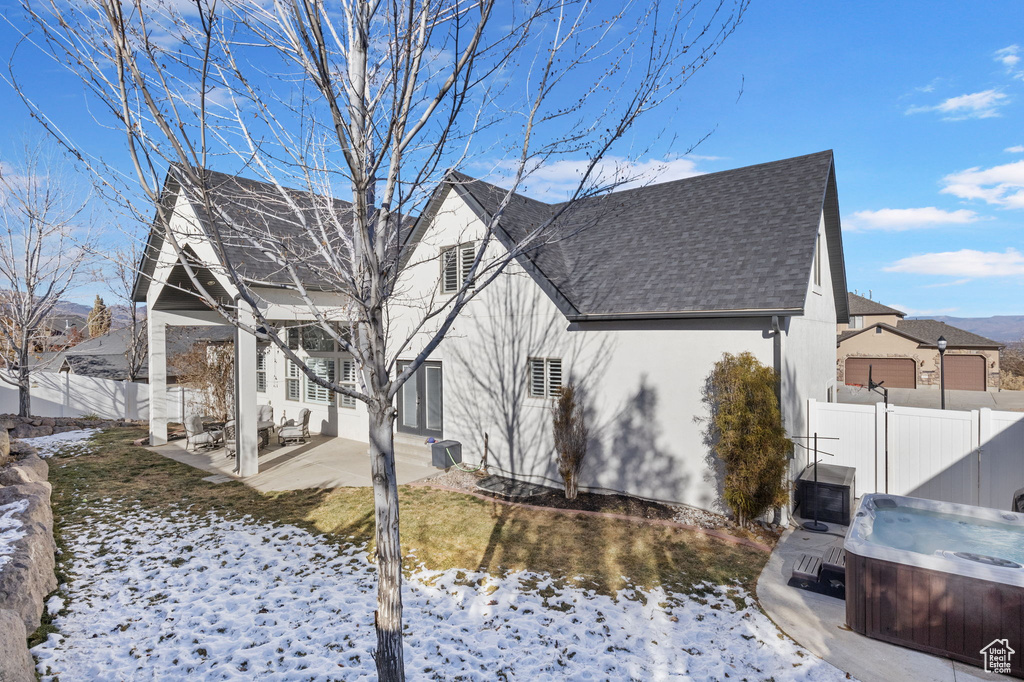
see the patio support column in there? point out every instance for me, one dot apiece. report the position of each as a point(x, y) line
point(157, 331)
point(246, 419)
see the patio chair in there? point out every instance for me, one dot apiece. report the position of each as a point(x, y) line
point(230, 442)
point(265, 417)
point(196, 437)
point(295, 431)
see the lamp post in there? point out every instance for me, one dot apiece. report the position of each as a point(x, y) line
point(941, 343)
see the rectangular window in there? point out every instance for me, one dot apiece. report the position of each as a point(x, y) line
point(261, 370)
point(856, 322)
point(456, 262)
point(293, 337)
point(348, 380)
point(323, 368)
point(292, 382)
point(545, 377)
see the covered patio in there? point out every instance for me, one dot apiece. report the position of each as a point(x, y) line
point(323, 462)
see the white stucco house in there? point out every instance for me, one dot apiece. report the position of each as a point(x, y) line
point(645, 291)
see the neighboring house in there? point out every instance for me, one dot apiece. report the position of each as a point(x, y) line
point(904, 353)
point(647, 292)
point(62, 331)
point(104, 357)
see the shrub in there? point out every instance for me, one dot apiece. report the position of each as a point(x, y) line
point(748, 435)
point(208, 369)
point(570, 433)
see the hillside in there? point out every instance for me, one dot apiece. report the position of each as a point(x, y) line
point(1003, 328)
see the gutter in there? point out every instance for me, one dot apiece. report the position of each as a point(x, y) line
point(687, 314)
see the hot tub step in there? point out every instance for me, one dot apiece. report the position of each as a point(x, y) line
point(807, 568)
point(834, 560)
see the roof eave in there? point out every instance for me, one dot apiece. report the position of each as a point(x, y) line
point(686, 314)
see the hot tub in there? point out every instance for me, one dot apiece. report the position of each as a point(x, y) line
point(943, 578)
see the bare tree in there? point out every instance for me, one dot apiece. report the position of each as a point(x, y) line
point(125, 262)
point(41, 252)
point(372, 102)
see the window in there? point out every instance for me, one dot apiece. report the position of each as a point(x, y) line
point(348, 380)
point(878, 330)
point(316, 339)
point(817, 261)
point(291, 382)
point(456, 262)
point(545, 377)
point(261, 370)
point(856, 322)
point(323, 368)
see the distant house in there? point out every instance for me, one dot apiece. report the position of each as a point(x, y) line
point(104, 357)
point(62, 331)
point(905, 354)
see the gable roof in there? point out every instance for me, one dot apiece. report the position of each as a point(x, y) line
point(737, 242)
point(926, 333)
point(865, 306)
point(249, 214)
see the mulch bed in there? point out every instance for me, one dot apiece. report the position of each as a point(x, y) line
point(609, 504)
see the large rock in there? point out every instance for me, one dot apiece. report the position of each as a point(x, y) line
point(29, 469)
point(9, 423)
point(30, 431)
point(27, 577)
point(15, 659)
point(5, 447)
point(20, 448)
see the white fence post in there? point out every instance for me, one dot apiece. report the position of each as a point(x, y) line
point(881, 450)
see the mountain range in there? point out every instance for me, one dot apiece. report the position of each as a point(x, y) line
point(1002, 328)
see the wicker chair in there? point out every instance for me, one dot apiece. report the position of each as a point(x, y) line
point(293, 431)
point(230, 442)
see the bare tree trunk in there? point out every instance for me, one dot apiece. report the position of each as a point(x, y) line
point(24, 394)
point(389, 655)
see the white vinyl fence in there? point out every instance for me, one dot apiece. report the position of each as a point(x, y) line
point(974, 457)
point(62, 394)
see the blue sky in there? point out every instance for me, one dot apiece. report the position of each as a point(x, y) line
point(921, 101)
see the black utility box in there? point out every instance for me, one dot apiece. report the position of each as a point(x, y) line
point(445, 453)
point(834, 495)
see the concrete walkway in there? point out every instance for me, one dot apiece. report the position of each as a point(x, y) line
point(929, 396)
point(323, 462)
point(819, 623)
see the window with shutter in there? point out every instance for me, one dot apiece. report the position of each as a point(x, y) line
point(291, 382)
point(554, 377)
point(449, 270)
point(456, 262)
point(545, 377)
point(467, 256)
point(261, 370)
point(348, 380)
point(324, 369)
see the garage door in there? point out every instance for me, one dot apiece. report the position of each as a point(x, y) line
point(895, 372)
point(965, 372)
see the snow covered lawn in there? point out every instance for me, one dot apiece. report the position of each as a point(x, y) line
point(199, 596)
point(68, 443)
point(10, 528)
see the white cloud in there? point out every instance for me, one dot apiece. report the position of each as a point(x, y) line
point(1017, 149)
point(1000, 185)
point(557, 180)
point(1008, 56)
point(954, 283)
point(899, 219)
point(983, 104)
point(963, 263)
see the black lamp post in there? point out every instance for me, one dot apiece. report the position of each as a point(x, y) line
point(941, 343)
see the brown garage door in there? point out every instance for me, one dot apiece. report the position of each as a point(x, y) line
point(895, 372)
point(965, 372)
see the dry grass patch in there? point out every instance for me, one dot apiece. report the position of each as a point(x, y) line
point(440, 529)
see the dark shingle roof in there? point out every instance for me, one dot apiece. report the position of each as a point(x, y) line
point(929, 331)
point(865, 306)
point(251, 215)
point(737, 240)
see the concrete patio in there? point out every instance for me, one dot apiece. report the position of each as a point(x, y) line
point(323, 462)
point(818, 622)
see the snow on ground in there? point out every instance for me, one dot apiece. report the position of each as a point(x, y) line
point(203, 597)
point(69, 442)
point(10, 528)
